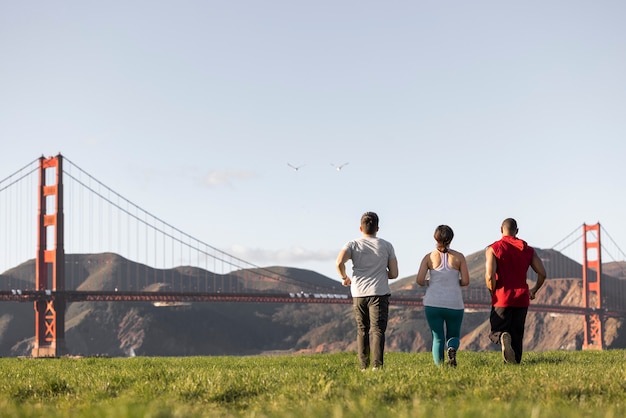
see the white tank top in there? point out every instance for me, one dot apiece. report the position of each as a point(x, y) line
point(444, 287)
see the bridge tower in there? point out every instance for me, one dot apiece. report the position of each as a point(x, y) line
point(592, 296)
point(50, 261)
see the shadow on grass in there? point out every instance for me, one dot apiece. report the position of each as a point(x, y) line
point(536, 359)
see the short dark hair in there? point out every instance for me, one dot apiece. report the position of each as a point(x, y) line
point(510, 225)
point(369, 222)
point(443, 235)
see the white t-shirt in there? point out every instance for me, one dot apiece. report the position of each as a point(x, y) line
point(370, 257)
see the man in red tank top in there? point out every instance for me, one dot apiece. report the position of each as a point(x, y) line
point(507, 262)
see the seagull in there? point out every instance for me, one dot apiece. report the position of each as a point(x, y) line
point(295, 168)
point(339, 167)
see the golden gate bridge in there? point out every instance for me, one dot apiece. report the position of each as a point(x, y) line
point(75, 225)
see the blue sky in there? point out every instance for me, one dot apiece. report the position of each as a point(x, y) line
point(455, 112)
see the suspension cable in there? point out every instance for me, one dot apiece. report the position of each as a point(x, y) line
point(19, 178)
point(605, 232)
point(575, 231)
point(138, 218)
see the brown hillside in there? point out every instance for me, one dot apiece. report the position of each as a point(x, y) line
point(118, 329)
point(616, 269)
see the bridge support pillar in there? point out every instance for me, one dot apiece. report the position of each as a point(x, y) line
point(592, 296)
point(50, 261)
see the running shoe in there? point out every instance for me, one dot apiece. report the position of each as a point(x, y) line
point(452, 356)
point(508, 354)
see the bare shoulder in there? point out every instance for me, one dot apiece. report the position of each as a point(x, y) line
point(456, 258)
point(434, 259)
point(456, 253)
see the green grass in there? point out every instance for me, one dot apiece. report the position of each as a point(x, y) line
point(551, 384)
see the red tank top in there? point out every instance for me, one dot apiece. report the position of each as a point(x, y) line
point(513, 257)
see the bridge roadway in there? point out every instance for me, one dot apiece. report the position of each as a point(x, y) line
point(302, 297)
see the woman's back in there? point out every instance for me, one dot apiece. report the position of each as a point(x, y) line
point(444, 286)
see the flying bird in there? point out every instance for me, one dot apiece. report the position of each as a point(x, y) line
point(339, 167)
point(295, 168)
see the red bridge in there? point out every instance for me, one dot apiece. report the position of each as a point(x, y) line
point(209, 275)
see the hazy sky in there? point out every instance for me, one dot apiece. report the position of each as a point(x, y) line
point(452, 112)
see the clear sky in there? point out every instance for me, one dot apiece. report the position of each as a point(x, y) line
point(449, 112)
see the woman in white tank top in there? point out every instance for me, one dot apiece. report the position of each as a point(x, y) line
point(443, 302)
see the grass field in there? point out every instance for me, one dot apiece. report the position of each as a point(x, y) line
point(550, 384)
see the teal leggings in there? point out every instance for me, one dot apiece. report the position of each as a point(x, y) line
point(445, 325)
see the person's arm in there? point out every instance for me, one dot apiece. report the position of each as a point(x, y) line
point(537, 266)
point(490, 269)
point(420, 279)
point(340, 264)
point(392, 268)
point(465, 278)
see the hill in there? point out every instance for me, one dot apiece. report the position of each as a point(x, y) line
point(124, 328)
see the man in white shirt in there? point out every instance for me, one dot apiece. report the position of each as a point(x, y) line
point(374, 263)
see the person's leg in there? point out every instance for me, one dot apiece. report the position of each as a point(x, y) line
point(500, 320)
point(379, 314)
point(435, 322)
point(518, 323)
point(453, 319)
point(361, 315)
point(501, 327)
